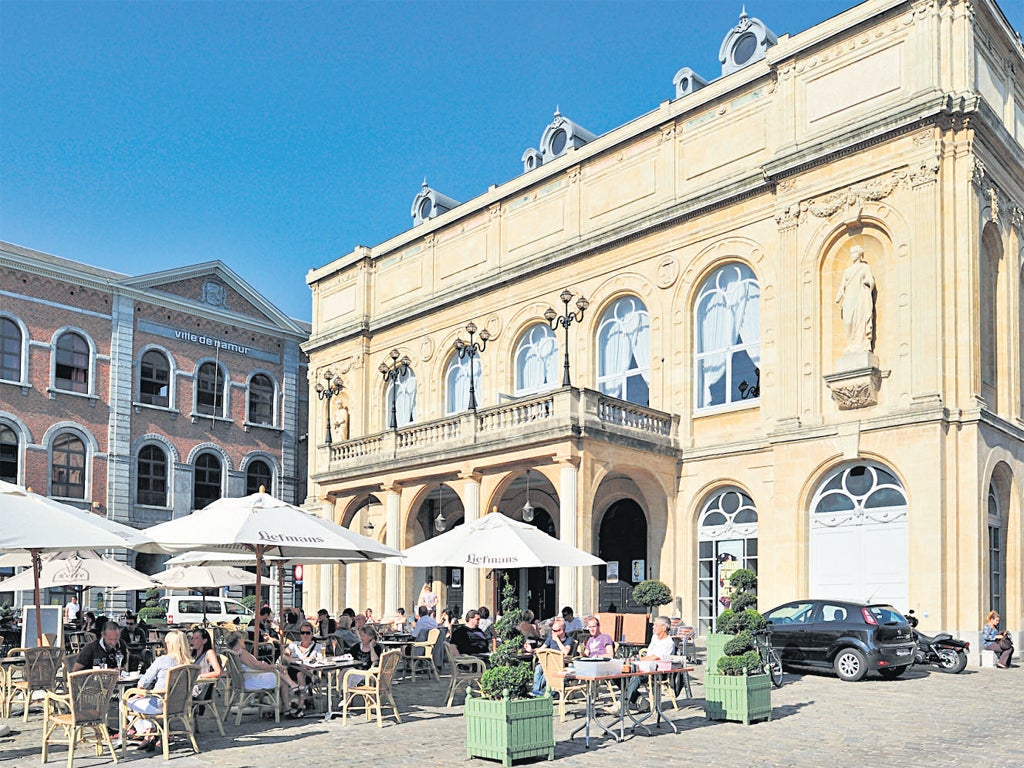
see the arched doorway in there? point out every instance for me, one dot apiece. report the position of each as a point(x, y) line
point(622, 543)
point(726, 540)
point(439, 512)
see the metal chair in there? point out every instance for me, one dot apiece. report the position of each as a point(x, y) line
point(552, 661)
point(241, 698)
point(374, 688)
point(38, 674)
point(426, 658)
point(84, 706)
point(176, 706)
point(465, 669)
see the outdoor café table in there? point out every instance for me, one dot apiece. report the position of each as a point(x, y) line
point(329, 669)
point(592, 686)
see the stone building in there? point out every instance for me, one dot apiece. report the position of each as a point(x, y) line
point(145, 397)
point(801, 347)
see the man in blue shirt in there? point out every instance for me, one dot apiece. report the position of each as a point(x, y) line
point(558, 641)
point(424, 624)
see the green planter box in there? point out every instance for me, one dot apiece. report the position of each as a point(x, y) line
point(509, 729)
point(743, 698)
point(716, 650)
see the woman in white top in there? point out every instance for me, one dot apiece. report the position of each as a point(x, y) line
point(155, 679)
point(428, 598)
point(294, 655)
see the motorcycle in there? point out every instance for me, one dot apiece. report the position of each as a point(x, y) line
point(943, 650)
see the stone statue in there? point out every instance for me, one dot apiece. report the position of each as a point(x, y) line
point(341, 423)
point(857, 295)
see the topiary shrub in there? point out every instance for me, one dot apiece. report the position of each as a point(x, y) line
point(508, 676)
point(724, 622)
point(651, 593)
point(151, 616)
point(249, 601)
point(741, 654)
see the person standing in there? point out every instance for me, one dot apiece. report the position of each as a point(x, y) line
point(72, 611)
point(428, 599)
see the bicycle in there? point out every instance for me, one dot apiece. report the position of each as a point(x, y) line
point(769, 656)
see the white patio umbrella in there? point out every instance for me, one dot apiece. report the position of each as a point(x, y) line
point(262, 525)
point(85, 568)
point(203, 577)
point(495, 541)
point(36, 524)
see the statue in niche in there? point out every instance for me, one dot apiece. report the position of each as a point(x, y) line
point(340, 431)
point(857, 296)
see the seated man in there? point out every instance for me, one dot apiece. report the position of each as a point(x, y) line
point(469, 638)
point(424, 624)
point(106, 652)
point(558, 641)
point(267, 635)
point(599, 645)
point(134, 638)
point(661, 648)
point(572, 623)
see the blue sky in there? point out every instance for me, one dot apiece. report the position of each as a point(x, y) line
point(277, 136)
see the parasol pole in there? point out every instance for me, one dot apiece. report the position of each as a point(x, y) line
point(280, 591)
point(258, 551)
point(39, 613)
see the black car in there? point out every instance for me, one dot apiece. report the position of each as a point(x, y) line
point(848, 637)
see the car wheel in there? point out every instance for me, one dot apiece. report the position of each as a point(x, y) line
point(952, 661)
point(850, 664)
point(891, 673)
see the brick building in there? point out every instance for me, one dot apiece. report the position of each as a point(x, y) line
point(145, 397)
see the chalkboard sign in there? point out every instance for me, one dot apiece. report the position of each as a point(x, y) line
point(53, 624)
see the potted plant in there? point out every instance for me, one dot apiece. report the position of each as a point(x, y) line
point(504, 722)
point(651, 593)
point(736, 685)
point(152, 613)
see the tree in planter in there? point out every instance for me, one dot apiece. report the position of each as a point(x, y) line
point(741, 620)
point(651, 593)
point(152, 612)
point(508, 676)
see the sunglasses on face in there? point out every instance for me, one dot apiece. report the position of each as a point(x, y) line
point(306, 633)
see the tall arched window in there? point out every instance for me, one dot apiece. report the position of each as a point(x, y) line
point(9, 452)
point(154, 379)
point(727, 325)
point(210, 389)
point(402, 398)
point(151, 479)
point(67, 467)
point(11, 342)
point(257, 474)
point(206, 480)
point(623, 351)
point(71, 369)
point(457, 383)
point(261, 399)
point(996, 559)
point(536, 360)
point(726, 540)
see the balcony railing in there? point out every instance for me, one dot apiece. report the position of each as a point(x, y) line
point(548, 416)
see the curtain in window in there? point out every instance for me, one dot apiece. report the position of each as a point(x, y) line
point(536, 360)
point(404, 395)
point(716, 333)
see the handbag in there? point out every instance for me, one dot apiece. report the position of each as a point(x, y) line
point(1005, 643)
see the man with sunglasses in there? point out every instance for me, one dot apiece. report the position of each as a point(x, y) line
point(293, 657)
point(134, 637)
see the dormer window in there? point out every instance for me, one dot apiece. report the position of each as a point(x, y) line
point(429, 203)
point(558, 138)
point(746, 43)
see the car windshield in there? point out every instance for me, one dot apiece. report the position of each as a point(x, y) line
point(886, 614)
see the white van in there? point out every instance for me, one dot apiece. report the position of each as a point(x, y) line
point(188, 609)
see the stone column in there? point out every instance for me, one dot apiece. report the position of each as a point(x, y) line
point(568, 577)
point(393, 523)
point(785, 387)
point(471, 509)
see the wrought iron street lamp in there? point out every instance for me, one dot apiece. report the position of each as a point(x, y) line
point(471, 349)
point(566, 319)
point(750, 390)
point(392, 370)
point(528, 508)
point(333, 387)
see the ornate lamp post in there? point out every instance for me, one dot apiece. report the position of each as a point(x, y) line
point(334, 387)
point(566, 319)
point(471, 349)
point(750, 390)
point(392, 370)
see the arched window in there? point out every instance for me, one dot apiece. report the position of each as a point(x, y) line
point(726, 541)
point(403, 401)
point(536, 360)
point(996, 561)
point(261, 399)
point(258, 473)
point(457, 383)
point(71, 371)
point(623, 351)
point(727, 324)
point(154, 379)
point(67, 467)
point(9, 452)
point(210, 390)
point(151, 479)
point(11, 343)
point(206, 480)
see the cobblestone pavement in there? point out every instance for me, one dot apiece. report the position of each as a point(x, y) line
point(924, 718)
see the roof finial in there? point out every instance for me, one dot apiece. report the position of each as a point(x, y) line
point(743, 12)
point(424, 182)
point(557, 113)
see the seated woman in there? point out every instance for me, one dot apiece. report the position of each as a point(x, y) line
point(295, 654)
point(366, 653)
point(259, 675)
point(531, 634)
point(208, 662)
point(998, 642)
point(399, 622)
point(155, 679)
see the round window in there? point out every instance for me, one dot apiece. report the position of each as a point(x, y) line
point(558, 142)
point(425, 208)
point(744, 49)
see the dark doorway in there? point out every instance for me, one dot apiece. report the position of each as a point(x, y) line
point(540, 591)
point(622, 540)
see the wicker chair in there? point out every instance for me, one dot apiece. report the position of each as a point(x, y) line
point(239, 697)
point(38, 674)
point(465, 669)
point(375, 688)
point(213, 694)
point(84, 706)
point(552, 661)
point(177, 706)
point(414, 661)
